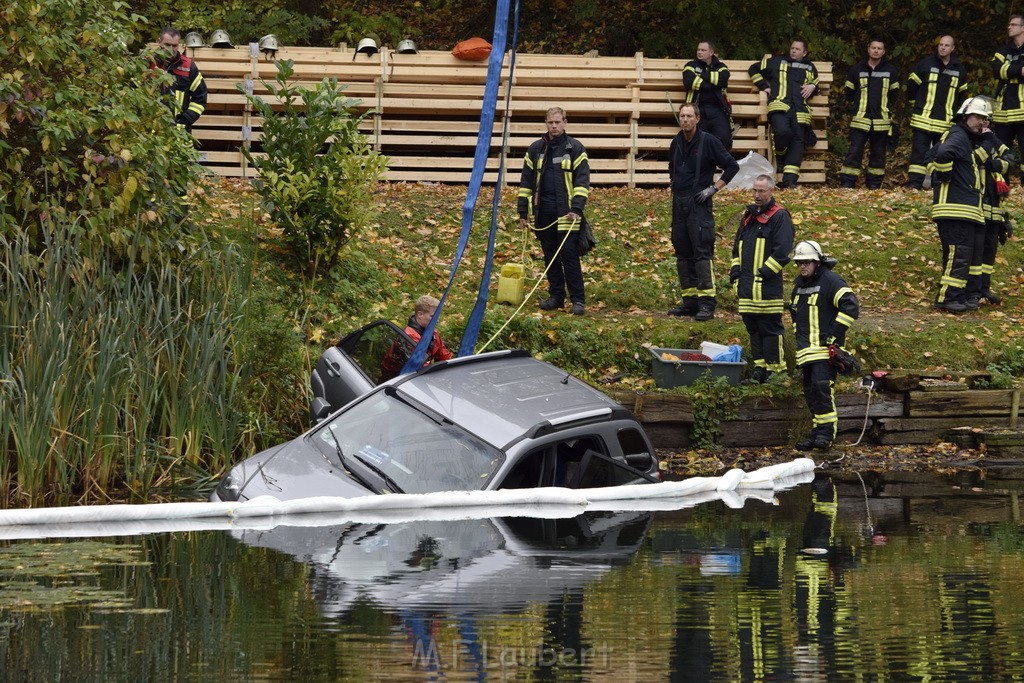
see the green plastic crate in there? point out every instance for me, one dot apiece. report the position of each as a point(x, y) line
point(682, 373)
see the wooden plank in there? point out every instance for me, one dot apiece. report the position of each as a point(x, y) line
point(926, 430)
point(988, 402)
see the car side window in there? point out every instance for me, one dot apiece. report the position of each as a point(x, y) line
point(636, 449)
point(556, 464)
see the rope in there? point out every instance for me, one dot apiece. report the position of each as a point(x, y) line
point(867, 412)
point(534, 289)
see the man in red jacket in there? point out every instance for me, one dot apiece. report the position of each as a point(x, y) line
point(187, 94)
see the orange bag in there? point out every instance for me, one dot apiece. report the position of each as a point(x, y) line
point(472, 50)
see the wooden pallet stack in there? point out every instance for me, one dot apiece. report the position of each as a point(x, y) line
point(423, 110)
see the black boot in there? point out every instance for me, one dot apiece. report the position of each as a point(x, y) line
point(551, 303)
point(814, 442)
point(705, 310)
point(686, 308)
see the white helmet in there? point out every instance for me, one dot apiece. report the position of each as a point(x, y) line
point(982, 106)
point(407, 47)
point(268, 43)
point(808, 250)
point(194, 40)
point(368, 46)
point(220, 38)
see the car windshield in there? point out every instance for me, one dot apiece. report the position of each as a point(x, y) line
point(420, 454)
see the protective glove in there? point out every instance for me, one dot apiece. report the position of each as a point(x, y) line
point(1006, 230)
point(734, 274)
point(1009, 158)
point(705, 194)
point(844, 362)
point(1002, 188)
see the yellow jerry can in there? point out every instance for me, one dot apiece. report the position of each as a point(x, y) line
point(510, 284)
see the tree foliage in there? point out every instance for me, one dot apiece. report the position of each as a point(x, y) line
point(317, 171)
point(84, 136)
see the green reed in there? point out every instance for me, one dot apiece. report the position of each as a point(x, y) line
point(117, 376)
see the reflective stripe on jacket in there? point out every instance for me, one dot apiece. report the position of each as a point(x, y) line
point(823, 309)
point(935, 91)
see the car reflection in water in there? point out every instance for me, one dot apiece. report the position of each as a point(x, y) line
point(479, 565)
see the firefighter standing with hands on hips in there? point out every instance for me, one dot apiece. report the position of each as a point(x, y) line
point(823, 309)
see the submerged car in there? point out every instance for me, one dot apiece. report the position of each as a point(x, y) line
point(500, 420)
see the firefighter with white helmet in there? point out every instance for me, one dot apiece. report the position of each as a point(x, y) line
point(823, 308)
point(960, 162)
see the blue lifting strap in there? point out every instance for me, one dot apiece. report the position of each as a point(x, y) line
point(483, 144)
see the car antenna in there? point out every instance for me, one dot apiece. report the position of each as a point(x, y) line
point(565, 380)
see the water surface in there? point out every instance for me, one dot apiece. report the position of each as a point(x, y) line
point(852, 577)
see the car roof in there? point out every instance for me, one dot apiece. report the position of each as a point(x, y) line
point(500, 396)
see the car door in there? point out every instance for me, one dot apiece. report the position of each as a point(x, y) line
point(360, 361)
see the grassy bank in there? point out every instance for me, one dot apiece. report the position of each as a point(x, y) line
point(119, 381)
point(885, 242)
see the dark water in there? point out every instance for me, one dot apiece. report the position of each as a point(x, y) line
point(906, 577)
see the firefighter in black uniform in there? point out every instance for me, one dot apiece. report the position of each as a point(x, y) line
point(693, 158)
point(936, 86)
point(823, 309)
point(986, 241)
point(554, 188)
point(1008, 66)
point(789, 82)
point(872, 86)
point(705, 80)
point(759, 254)
point(959, 162)
point(188, 92)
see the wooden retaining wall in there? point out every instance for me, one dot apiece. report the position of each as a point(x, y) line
point(424, 110)
point(920, 416)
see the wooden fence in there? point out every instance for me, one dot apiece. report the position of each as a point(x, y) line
point(424, 110)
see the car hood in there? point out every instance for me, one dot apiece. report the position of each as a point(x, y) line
point(292, 470)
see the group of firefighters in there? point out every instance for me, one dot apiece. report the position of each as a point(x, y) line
point(951, 137)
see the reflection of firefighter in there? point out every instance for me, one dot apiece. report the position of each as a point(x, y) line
point(815, 595)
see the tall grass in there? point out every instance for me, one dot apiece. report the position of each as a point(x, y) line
point(117, 376)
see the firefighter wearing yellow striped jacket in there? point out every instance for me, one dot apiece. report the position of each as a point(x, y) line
point(705, 80)
point(986, 242)
point(1008, 67)
point(936, 86)
point(789, 82)
point(553, 189)
point(872, 86)
point(823, 308)
point(187, 94)
point(759, 254)
point(958, 163)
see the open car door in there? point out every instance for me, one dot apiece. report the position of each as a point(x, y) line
point(363, 359)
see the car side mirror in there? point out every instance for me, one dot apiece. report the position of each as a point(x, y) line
point(319, 409)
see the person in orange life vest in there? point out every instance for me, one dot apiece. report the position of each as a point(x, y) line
point(423, 311)
point(187, 94)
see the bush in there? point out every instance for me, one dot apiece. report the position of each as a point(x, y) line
point(319, 172)
point(85, 138)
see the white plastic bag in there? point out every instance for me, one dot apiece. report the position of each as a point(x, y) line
point(751, 166)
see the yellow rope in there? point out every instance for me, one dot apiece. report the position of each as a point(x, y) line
point(526, 298)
